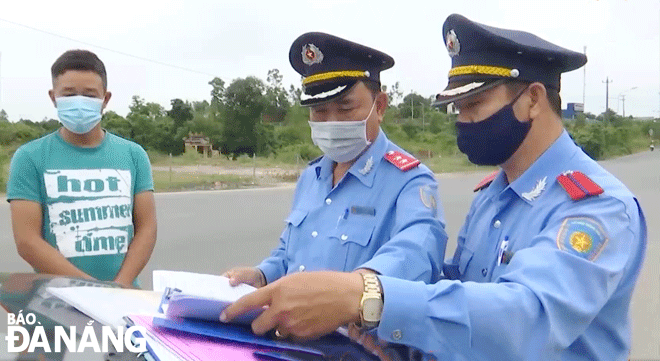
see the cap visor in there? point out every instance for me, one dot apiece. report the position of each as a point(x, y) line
point(461, 90)
point(326, 95)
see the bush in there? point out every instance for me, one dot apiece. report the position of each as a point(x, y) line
point(410, 129)
point(298, 153)
point(290, 135)
point(4, 163)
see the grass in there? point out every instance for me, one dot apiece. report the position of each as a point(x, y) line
point(165, 181)
point(178, 181)
point(452, 163)
point(244, 161)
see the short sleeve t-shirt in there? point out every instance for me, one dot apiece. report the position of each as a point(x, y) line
point(86, 196)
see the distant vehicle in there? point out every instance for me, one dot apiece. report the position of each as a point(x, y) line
point(652, 147)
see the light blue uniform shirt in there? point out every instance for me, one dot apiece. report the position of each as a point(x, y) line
point(564, 294)
point(377, 217)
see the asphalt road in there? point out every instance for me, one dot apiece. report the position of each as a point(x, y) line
point(212, 231)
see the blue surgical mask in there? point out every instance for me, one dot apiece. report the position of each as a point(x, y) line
point(78, 113)
point(342, 141)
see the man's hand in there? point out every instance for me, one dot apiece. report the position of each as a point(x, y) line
point(303, 305)
point(248, 275)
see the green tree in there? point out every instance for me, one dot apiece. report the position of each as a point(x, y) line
point(294, 94)
point(413, 104)
point(218, 91)
point(3, 116)
point(180, 112)
point(277, 98)
point(142, 117)
point(244, 105)
point(116, 124)
point(394, 93)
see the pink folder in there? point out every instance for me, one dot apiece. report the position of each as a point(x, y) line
point(194, 347)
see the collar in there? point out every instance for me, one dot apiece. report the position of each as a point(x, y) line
point(365, 166)
point(545, 169)
point(374, 153)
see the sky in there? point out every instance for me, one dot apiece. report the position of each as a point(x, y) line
point(173, 48)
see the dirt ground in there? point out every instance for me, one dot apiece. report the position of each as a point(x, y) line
point(271, 172)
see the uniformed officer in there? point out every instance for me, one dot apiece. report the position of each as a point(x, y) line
point(550, 250)
point(366, 203)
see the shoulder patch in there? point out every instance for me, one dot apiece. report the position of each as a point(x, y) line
point(578, 186)
point(427, 195)
point(486, 181)
point(582, 236)
point(402, 161)
point(315, 160)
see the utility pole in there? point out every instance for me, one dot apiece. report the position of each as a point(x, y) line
point(623, 102)
point(412, 109)
point(607, 95)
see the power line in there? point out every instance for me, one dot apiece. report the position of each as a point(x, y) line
point(108, 49)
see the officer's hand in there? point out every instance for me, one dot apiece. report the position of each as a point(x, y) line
point(303, 305)
point(370, 342)
point(248, 275)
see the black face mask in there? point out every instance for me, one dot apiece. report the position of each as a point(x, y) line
point(494, 140)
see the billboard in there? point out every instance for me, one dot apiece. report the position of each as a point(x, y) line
point(577, 107)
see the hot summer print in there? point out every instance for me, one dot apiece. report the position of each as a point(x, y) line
point(90, 210)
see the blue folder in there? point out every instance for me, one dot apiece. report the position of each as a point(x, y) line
point(330, 347)
point(230, 332)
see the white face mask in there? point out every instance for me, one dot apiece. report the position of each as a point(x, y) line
point(342, 141)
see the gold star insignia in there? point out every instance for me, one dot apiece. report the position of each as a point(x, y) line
point(580, 242)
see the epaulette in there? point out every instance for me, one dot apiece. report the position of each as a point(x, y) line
point(486, 181)
point(315, 160)
point(578, 186)
point(402, 161)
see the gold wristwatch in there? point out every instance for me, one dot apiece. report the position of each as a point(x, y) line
point(371, 304)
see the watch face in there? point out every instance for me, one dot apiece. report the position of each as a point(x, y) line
point(372, 308)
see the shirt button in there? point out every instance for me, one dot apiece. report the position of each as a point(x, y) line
point(328, 201)
point(301, 268)
point(497, 224)
point(396, 335)
point(315, 233)
point(484, 272)
point(344, 237)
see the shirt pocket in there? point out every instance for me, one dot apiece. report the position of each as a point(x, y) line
point(292, 232)
point(464, 261)
point(354, 237)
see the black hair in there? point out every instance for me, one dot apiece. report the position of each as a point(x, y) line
point(515, 87)
point(79, 60)
point(374, 87)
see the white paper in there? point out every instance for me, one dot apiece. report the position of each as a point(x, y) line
point(200, 285)
point(109, 305)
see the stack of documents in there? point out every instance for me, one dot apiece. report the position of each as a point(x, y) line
point(109, 305)
point(199, 296)
point(181, 320)
point(200, 340)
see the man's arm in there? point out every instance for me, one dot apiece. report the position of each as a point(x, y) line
point(275, 266)
point(416, 249)
point(26, 221)
point(144, 239)
point(543, 302)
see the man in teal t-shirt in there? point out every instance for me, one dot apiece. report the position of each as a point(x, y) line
point(81, 198)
